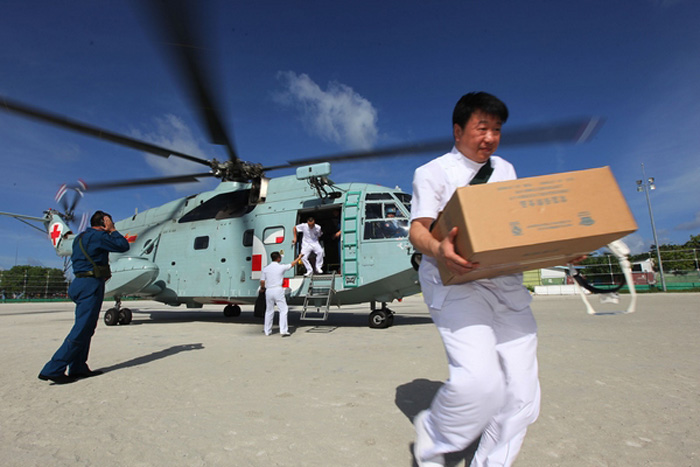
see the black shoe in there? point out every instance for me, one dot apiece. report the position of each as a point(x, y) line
point(86, 374)
point(60, 379)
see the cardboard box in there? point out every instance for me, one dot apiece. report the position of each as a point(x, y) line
point(533, 223)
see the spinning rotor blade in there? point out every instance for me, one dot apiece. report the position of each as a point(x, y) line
point(100, 186)
point(575, 131)
point(182, 36)
point(84, 128)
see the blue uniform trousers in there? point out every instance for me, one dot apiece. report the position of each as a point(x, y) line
point(87, 293)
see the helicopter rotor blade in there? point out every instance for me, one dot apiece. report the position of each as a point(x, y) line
point(89, 130)
point(60, 197)
point(573, 131)
point(102, 186)
point(182, 33)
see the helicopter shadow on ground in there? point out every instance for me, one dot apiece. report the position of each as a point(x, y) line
point(335, 318)
point(417, 395)
point(170, 351)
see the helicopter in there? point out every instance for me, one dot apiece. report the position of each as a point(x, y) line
point(211, 247)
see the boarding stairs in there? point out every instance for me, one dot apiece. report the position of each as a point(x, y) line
point(318, 297)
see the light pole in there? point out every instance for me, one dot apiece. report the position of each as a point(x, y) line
point(646, 185)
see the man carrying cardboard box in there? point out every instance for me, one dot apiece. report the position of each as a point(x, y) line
point(487, 327)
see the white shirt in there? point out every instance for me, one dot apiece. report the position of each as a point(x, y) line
point(435, 182)
point(311, 236)
point(433, 185)
point(273, 274)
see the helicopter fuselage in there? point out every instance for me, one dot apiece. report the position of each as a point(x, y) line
point(210, 248)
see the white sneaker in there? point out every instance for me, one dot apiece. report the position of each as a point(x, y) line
point(424, 442)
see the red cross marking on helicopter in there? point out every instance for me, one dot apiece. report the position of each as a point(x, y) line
point(257, 262)
point(55, 233)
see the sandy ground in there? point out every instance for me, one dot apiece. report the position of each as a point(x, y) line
point(192, 388)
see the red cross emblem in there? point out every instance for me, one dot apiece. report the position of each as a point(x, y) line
point(55, 233)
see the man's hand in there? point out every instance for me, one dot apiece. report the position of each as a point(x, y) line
point(444, 251)
point(448, 256)
point(109, 224)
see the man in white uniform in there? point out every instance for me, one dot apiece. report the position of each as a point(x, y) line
point(310, 244)
point(271, 281)
point(487, 327)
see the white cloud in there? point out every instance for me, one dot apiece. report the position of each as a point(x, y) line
point(337, 114)
point(172, 133)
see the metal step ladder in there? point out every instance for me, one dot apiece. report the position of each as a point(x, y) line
point(318, 296)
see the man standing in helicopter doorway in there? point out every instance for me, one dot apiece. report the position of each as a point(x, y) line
point(486, 325)
point(90, 260)
point(310, 244)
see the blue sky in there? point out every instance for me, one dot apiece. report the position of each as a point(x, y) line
point(308, 78)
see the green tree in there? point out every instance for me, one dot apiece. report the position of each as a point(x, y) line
point(33, 281)
point(677, 259)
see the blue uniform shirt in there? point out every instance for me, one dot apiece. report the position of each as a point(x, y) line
point(97, 244)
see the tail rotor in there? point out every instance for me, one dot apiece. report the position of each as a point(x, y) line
point(67, 197)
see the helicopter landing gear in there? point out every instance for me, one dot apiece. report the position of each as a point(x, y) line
point(118, 315)
point(232, 310)
point(382, 318)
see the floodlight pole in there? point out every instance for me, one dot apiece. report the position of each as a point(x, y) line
point(647, 184)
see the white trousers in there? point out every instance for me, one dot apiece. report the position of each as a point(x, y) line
point(493, 389)
point(306, 250)
point(275, 296)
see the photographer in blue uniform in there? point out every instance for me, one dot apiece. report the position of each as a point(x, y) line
point(90, 260)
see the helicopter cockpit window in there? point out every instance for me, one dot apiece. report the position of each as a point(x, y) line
point(273, 235)
point(377, 196)
point(223, 206)
point(201, 243)
point(405, 200)
point(384, 219)
point(373, 211)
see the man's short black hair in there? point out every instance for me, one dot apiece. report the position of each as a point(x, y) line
point(275, 255)
point(310, 218)
point(98, 219)
point(478, 101)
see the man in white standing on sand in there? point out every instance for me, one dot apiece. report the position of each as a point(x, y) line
point(310, 244)
point(271, 281)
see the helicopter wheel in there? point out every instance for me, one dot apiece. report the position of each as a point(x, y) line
point(111, 317)
point(232, 310)
point(381, 319)
point(125, 316)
